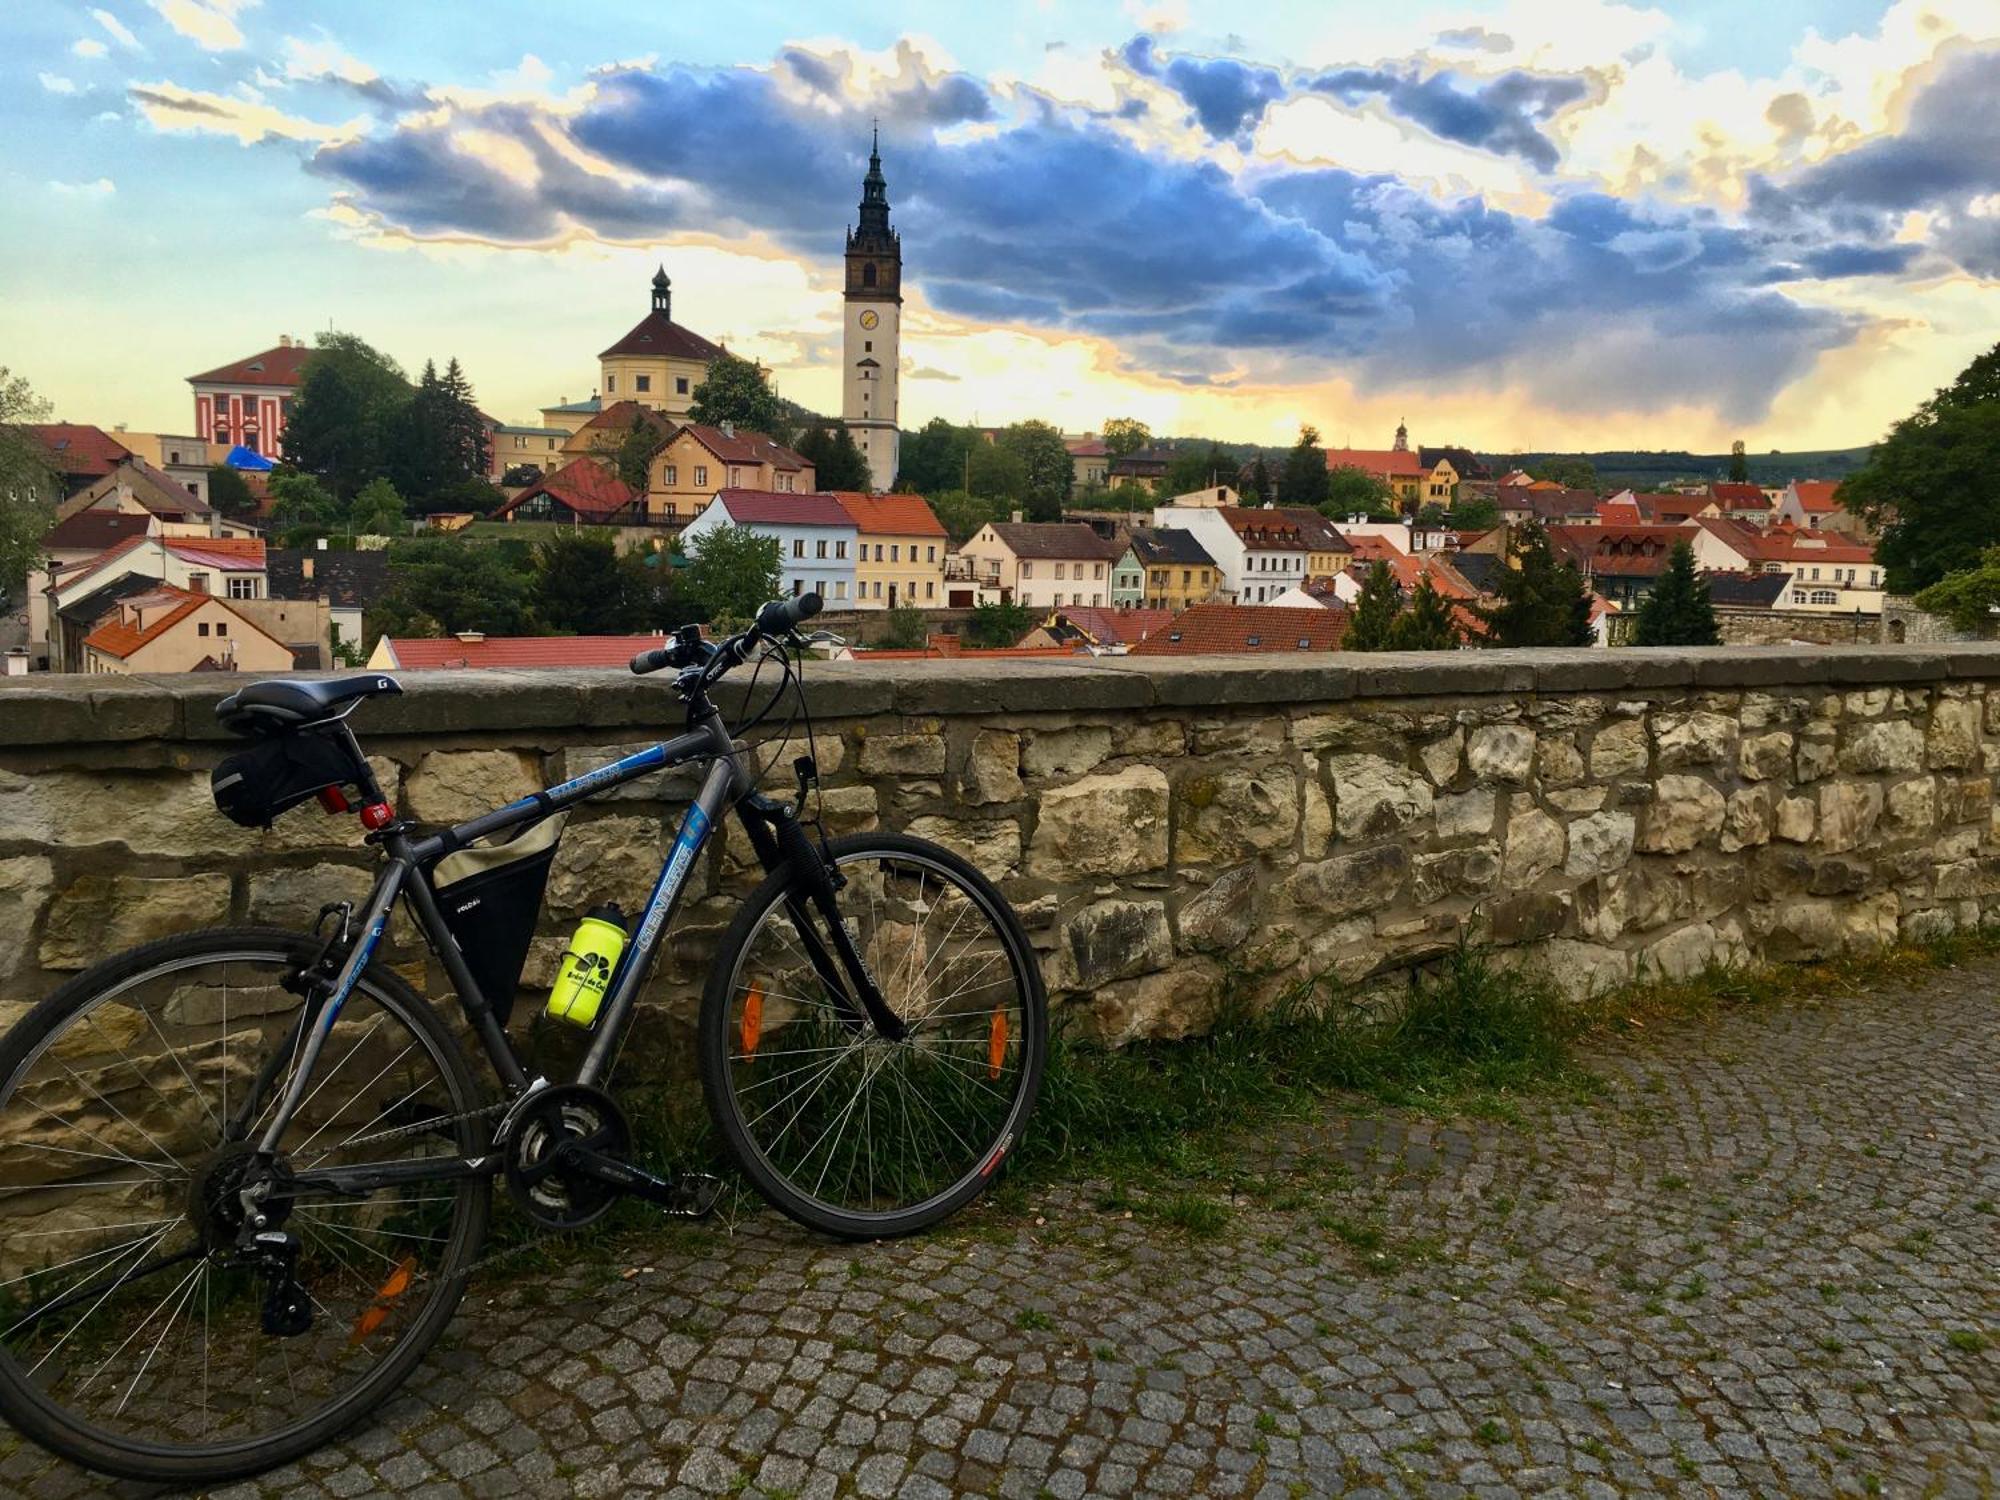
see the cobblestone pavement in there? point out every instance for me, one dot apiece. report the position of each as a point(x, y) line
point(1765, 1260)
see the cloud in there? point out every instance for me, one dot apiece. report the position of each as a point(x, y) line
point(169, 107)
point(103, 187)
point(209, 23)
point(932, 372)
point(1228, 97)
point(55, 83)
point(118, 31)
point(1501, 115)
point(88, 47)
point(1476, 39)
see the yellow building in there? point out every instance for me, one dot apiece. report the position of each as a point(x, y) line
point(1177, 569)
point(172, 629)
point(517, 447)
point(900, 551)
point(1327, 551)
point(604, 434)
point(659, 363)
point(699, 460)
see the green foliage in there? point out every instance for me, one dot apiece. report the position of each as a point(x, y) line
point(1678, 611)
point(1303, 480)
point(1542, 603)
point(1374, 612)
point(1572, 471)
point(996, 473)
point(1124, 435)
point(1932, 487)
point(459, 586)
point(1257, 486)
point(300, 500)
point(1431, 514)
point(479, 496)
point(1739, 463)
point(1199, 469)
point(347, 418)
point(583, 587)
point(998, 625)
point(1352, 492)
point(836, 458)
point(933, 459)
point(1970, 597)
point(961, 514)
point(732, 572)
point(630, 453)
point(27, 483)
point(906, 630)
point(1046, 467)
point(738, 390)
point(377, 510)
point(439, 439)
point(1426, 624)
point(229, 492)
point(1475, 513)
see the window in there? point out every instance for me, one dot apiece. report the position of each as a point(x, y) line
point(1825, 596)
point(840, 549)
point(868, 346)
point(735, 476)
point(672, 475)
point(1062, 571)
point(1255, 640)
point(840, 588)
point(785, 483)
point(610, 384)
point(1162, 579)
point(1027, 570)
point(644, 382)
point(895, 552)
point(821, 548)
point(700, 475)
point(680, 385)
point(878, 588)
point(930, 554)
point(930, 588)
point(798, 546)
point(868, 274)
point(201, 628)
point(244, 587)
point(198, 583)
point(551, 444)
point(1098, 571)
point(1076, 598)
point(221, 627)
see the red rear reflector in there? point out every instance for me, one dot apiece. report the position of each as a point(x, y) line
point(377, 815)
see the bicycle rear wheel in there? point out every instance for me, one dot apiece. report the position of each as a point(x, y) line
point(845, 1131)
point(131, 1338)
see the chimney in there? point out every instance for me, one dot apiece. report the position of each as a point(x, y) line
point(471, 637)
point(320, 544)
point(728, 429)
point(1016, 517)
point(306, 569)
point(284, 341)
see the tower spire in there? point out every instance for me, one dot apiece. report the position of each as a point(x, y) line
point(663, 293)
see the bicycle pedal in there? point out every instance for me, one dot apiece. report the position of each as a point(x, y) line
point(691, 1196)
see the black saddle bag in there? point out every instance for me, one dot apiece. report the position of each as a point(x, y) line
point(254, 786)
point(490, 896)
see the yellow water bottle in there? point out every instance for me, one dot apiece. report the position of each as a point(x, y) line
point(585, 972)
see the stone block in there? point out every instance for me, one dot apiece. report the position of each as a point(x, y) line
point(1557, 760)
point(1374, 797)
point(25, 886)
point(1113, 940)
point(1219, 917)
point(1848, 813)
point(1066, 752)
point(95, 916)
point(1952, 739)
point(1765, 757)
point(1350, 883)
point(992, 767)
point(1796, 819)
point(1107, 824)
point(1687, 951)
point(994, 848)
point(1229, 813)
point(1526, 916)
point(1177, 1002)
point(1600, 844)
point(1817, 753)
point(1684, 813)
point(1747, 821)
point(1471, 871)
point(1466, 813)
point(1501, 752)
point(1619, 749)
point(1230, 736)
point(450, 786)
point(1912, 806)
point(1694, 739)
point(918, 754)
point(615, 859)
point(293, 897)
point(1572, 800)
point(1535, 844)
point(1442, 757)
point(1583, 971)
point(1893, 745)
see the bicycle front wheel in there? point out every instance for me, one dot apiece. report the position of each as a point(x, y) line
point(132, 1334)
point(844, 1130)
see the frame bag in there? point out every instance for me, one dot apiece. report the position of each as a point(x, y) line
point(490, 896)
point(254, 786)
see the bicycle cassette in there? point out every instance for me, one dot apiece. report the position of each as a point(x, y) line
point(551, 1190)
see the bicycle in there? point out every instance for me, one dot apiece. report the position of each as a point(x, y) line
point(248, 1170)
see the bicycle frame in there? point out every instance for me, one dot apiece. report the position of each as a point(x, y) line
point(728, 783)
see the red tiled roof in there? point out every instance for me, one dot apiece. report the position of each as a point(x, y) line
point(1618, 513)
point(1375, 460)
point(1730, 495)
point(1116, 627)
point(1661, 508)
point(1369, 547)
point(1321, 535)
point(414, 654)
point(79, 448)
point(1264, 530)
point(622, 416)
point(1227, 629)
point(890, 515)
point(1816, 495)
point(116, 637)
point(586, 486)
point(234, 554)
point(775, 509)
point(1086, 447)
point(744, 447)
point(1036, 540)
point(97, 530)
point(660, 337)
point(282, 366)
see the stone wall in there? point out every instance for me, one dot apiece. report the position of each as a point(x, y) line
point(1170, 830)
point(1785, 627)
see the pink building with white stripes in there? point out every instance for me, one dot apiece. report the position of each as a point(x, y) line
point(249, 401)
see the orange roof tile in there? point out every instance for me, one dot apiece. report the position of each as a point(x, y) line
point(1399, 461)
point(1229, 629)
point(890, 515)
point(1816, 496)
point(282, 366)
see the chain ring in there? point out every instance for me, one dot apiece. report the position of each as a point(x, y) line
point(553, 1199)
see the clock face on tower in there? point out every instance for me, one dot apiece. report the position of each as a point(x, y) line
point(870, 318)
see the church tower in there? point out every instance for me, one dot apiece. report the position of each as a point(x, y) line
point(871, 324)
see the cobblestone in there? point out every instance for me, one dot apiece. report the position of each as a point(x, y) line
point(1736, 1269)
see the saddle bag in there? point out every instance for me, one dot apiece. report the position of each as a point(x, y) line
point(254, 786)
point(490, 895)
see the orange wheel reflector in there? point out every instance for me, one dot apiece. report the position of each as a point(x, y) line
point(996, 1044)
point(373, 1315)
point(753, 1021)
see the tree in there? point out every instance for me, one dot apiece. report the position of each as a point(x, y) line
point(1354, 492)
point(1571, 471)
point(1677, 612)
point(1427, 624)
point(629, 454)
point(581, 588)
point(996, 473)
point(1199, 469)
point(1969, 597)
point(346, 416)
point(1542, 602)
point(229, 492)
point(836, 458)
point(27, 483)
point(1932, 486)
point(998, 625)
point(459, 585)
point(377, 510)
point(1374, 613)
point(300, 500)
point(467, 453)
point(1303, 480)
point(1046, 467)
point(732, 572)
point(1125, 435)
point(1739, 463)
point(479, 496)
point(738, 391)
point(1257, 484)
point(933, 458)
point(1431, 514)
point(906, 630)
point(1475, 513)
point(962, 515)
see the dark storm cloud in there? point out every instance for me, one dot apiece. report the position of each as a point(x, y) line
point(1228, 97)
point(1501, 115)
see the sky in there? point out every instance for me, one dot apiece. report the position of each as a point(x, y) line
point(1517, 224)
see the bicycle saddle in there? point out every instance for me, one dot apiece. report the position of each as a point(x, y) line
point(286, 703)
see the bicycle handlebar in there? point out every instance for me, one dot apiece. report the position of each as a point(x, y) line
point(780, 617)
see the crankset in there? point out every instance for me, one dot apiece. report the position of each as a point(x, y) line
point(566, 1166)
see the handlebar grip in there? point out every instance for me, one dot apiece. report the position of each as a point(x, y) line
point(651, 661)
point(783, 616)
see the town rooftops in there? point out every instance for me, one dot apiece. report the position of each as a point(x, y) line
point(1086, 447)
point(1816, 496)
point(591, 404)
point(120, 637)
point(1321, 535)
point(622, 416)
point(1464, 462)
point(1376, 460)
point(658, 336)
point(158, 491)
point(584, 485)
point(1233, 629)
point(348, 579)
point(1036, 540)
point(890, 515)
point(520, 651)
point(1264, 530)
point(282, 366)
point(1169, 545)
point(79, 449)
point(1666, 507)
point(770, 508)
point(1116, 627)
point(95, 531)
point(1735, 496)
point(1747, 590)
point(744, 447)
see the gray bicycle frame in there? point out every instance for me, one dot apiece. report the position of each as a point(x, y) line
point(728, 781)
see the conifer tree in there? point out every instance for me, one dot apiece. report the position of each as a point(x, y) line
point(1542, 602)
point(1257, 488)
point(1678, 612)
point(1426, 625)
point(1374, 617)
point(1303, 479)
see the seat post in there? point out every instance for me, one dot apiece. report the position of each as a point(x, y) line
point(364, 778)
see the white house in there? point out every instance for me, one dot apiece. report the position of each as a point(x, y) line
point(1041, 564)
point(1260, 553)
point(816, 537)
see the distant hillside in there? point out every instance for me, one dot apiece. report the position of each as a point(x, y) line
point(1645, 471)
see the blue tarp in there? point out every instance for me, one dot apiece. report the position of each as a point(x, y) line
point(241, 457)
